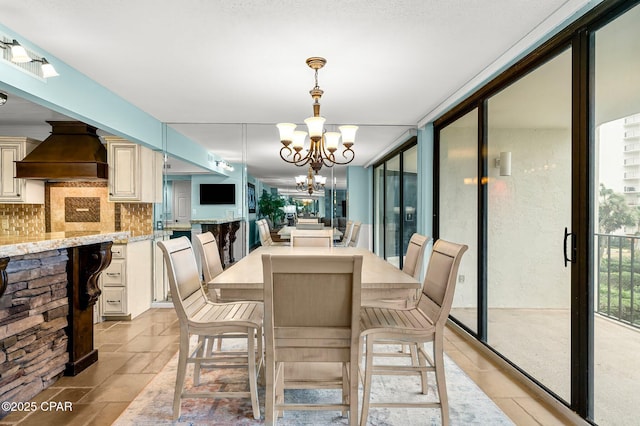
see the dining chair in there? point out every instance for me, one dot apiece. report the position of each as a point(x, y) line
point(308, 240)
point(355, 235)
point(414, 326)
point(312, 310)
point(199, 316)
point(206, 247)
point(346, 237)
point(265, 235)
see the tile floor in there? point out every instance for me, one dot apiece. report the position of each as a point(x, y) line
point(131, 353)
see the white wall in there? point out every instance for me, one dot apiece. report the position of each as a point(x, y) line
point(528, 212)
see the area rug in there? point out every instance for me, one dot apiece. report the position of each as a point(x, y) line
point(468, 405)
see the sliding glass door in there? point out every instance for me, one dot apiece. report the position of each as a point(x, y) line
point(528, 208)
point(616, 222)
point(395, 182)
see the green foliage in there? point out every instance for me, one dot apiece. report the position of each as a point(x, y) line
point(270, 206)
point(619, 280)
point(613, 211)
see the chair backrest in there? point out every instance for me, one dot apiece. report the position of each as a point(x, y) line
point(355, 235)
point(348, 230)
point(263, 229)
point(312, 302)
point(207, 248)
point(306, 239)
point(184, 278)
point(440, 280)
point(415, 253)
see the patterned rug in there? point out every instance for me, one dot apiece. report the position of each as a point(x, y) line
point(468, 405)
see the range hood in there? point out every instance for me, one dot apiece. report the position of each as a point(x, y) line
point(73, 151)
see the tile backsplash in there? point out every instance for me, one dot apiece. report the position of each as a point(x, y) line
point(21, 219)
point(76, 206)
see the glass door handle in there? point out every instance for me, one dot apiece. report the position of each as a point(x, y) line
point(573, 247)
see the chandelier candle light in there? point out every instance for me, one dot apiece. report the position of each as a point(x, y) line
point(323, 144)
point(310, 182)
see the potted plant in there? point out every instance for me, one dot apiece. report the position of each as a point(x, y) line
point(271, 206)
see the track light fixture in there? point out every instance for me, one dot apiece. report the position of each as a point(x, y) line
point(19, 55)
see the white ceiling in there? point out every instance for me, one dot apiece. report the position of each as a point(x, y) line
point(207, 67)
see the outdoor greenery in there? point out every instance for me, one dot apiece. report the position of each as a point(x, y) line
point(619, 279)
point(614, 212)
point(619, 268)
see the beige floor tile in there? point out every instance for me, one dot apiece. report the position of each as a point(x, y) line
point(541, 411)
point(147, 344)
point(79, 415)
point(515, 412)
point(71, 394)
point(497, 385)
point(108, 414)
point(118, 388)
point(97, 373)
point(161, 360)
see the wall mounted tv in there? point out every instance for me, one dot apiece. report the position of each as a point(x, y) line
point(217, 193)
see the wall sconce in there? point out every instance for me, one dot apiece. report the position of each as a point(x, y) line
point(504, 163)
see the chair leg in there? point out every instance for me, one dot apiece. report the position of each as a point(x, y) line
point(203, 341)
point(253, 380)
point(181, 372)
point(422, 362)
point(438, 360)
point(270, 393)
point(368, 370)
point(345, 388)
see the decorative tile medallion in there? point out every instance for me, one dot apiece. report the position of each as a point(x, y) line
point(82, 209)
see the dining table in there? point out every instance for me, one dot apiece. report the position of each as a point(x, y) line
point(382, 283)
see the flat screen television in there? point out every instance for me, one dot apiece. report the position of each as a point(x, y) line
point(217, 193)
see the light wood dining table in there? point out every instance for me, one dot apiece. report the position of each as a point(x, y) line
point(381, 281)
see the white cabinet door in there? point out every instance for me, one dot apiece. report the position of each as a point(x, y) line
point(124, 171)
point(14, 190)
point(9, 186)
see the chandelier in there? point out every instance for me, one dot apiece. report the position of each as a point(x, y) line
point(310, 183)
point(323, 144)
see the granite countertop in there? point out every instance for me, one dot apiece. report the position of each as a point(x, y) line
point(178, 226)
point(136, 238)
point(21, 245)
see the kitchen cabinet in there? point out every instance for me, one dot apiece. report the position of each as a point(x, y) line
point(126, 283)
point(135, 172)
point(14, 190)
